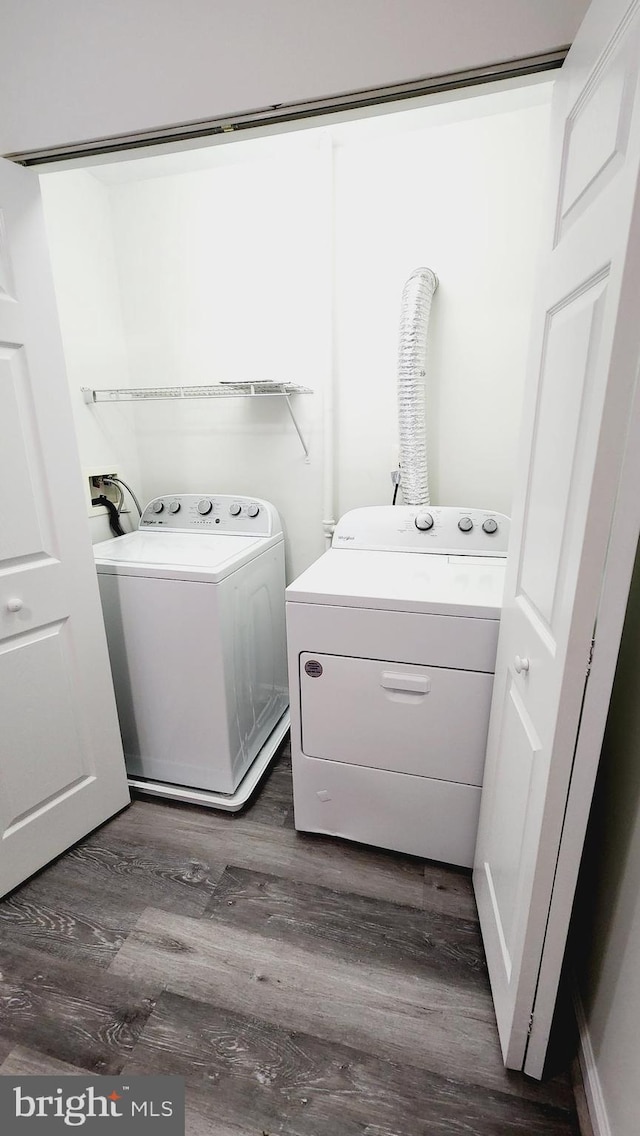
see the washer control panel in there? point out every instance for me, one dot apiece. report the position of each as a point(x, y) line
point(215, 513)
point(424, 528)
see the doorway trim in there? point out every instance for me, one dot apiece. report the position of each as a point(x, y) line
point(282, 113)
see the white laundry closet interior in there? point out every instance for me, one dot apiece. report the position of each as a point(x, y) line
point(283, 256)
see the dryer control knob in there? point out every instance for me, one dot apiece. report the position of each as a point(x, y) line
point(465, 524)
point(235, 508)
point(253, 510)
point(205, 506)
point(157, 506)
point(174, 507)
point(490, 525)
point(424, 522)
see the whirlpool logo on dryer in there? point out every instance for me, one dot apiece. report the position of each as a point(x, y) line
point(135, 1105)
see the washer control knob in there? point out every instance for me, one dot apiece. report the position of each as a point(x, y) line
point(158, 506)
point(490, 525)
point(205, 506)
point(174, 507)
point(465, 524)
point(424, 521)
point(253, 510)
point(235, 508)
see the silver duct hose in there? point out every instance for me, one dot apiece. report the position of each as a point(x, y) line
point(414, 325)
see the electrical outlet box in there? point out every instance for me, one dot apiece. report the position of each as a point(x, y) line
point(95, 487)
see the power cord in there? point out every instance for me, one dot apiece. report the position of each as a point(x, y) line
point(396, 478)
point(114, 519)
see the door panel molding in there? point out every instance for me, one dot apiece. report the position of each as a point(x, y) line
point(6, 271)
point(586, 175)
point(570, 343)
point(54, 799)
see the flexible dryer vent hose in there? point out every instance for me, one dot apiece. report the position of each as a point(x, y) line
point(414, 325)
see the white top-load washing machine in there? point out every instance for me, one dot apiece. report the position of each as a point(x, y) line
point(193, 603)
point(392, 639)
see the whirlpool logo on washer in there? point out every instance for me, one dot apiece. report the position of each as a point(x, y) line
point(134, 1105)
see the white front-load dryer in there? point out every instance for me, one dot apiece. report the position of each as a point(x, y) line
point(193, 604)
point(392, 639)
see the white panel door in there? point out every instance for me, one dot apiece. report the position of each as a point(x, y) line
point(61, 764)
point(583, 366)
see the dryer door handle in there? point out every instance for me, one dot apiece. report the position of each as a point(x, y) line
point(396, 680)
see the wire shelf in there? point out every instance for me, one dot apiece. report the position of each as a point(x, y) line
point(215, 390)
point(259, 389)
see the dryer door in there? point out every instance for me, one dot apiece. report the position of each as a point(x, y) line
point(429, 721)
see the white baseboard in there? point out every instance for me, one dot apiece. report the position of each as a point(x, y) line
point(591, 1080)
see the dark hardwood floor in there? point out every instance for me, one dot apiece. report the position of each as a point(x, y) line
point(301, 985)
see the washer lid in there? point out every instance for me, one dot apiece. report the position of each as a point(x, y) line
point(401, 581)
point(177, 556)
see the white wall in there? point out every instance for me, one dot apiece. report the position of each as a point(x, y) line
point(463, 198)
point(73, 70)
point(88, 295)
point(225, 276)
point(285, 258)
point(606, 931)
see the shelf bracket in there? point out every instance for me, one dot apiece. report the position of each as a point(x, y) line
point(298, 430)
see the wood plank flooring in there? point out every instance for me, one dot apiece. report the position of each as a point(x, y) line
point(302, 985)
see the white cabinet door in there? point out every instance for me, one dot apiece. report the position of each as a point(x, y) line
point(61, 764)
point(578, 405)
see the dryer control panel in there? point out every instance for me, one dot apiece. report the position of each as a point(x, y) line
point(215, 513)
point(441, 529)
